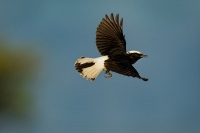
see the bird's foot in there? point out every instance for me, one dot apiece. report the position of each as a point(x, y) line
point(109, 75)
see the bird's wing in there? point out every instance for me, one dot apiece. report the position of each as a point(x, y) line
point(109, 36)
point(124, 68)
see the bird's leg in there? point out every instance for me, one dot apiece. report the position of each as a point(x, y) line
point(109, 75)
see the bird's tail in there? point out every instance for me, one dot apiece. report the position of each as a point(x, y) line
point(89, 68)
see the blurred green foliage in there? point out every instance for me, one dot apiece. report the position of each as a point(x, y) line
point(17, 67)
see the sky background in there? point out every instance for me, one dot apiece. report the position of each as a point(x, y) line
point(60, 31)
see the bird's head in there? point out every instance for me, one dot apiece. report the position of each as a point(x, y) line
point(135, 56)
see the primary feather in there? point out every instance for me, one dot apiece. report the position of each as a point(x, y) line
point(111, 43)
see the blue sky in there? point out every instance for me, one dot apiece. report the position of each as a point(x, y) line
point(62, 31)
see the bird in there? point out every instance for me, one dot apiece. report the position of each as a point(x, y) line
point(111, 43)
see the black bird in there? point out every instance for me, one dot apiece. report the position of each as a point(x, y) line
point(111, 43)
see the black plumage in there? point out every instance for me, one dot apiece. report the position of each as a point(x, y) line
point(110, 41)
point(109, 36)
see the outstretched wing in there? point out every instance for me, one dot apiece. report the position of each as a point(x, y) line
point(109, 36)
point(124, 68)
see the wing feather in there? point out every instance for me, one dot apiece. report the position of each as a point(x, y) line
point(109, 35)
point(122, 68)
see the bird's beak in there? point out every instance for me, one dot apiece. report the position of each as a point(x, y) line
point(143, 55)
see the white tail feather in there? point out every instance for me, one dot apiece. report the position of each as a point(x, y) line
point(90, 68)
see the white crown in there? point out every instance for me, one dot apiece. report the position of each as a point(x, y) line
point(134, 51)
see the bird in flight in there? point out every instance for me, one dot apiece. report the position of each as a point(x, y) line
point(111, 43)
